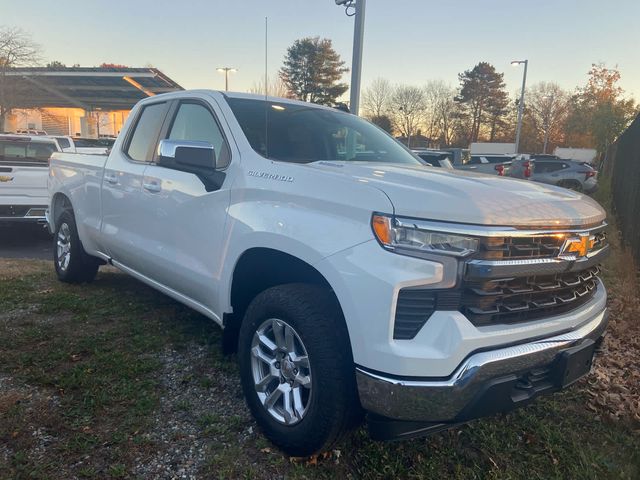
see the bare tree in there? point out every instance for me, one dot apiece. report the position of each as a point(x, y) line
point(276, 88)
point(547, 105)
point(376, 98)
point(407, 105)
point(17, 49)
point(440, 112)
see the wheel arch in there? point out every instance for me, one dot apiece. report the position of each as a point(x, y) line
point(59, 203)
point(256, 270)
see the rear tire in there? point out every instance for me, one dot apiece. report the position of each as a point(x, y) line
point(294, 337)
point(72, 263)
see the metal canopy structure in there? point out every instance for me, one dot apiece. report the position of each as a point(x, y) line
point(89, 88)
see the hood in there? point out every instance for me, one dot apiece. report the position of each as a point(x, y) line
point(466, 197)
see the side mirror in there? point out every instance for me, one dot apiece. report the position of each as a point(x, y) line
point(187, 155)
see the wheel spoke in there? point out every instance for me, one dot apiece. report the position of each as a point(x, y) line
point(287, 405)
point(266, 341)
point(289, 340)
point(278, 334)
point(263, 384)
point(297, 402)
point(301, 362)
point(304, 381)
point(273, 397)
point(259, 354)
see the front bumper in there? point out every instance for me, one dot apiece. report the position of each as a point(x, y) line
point(485, 383)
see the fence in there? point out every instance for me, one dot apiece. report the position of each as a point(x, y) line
point(625, 185)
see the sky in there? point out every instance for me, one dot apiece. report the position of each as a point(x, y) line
point(405, 41)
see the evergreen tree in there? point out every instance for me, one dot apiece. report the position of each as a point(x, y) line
point(312, 70)
point(483, 99)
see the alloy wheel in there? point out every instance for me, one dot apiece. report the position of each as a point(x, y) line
point(281, 371)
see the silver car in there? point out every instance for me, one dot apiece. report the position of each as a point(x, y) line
point(578, 176)
point(493, 164)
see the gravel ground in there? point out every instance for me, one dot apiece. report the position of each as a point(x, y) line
point(36, 403)
point(192, 398)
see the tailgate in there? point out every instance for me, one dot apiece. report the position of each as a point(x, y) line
point(24, 183)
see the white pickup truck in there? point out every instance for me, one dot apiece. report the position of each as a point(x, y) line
point(24, 167)
point(351, 277)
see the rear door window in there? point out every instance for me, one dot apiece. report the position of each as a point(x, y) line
point(548, 167)
point(143, 141)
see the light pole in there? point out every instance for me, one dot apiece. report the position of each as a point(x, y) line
point(226, 71)
point(356, 59)
point(521, 104)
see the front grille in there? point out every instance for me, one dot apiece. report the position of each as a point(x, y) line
point(534, 246)
point(531, 291)
point(526, 298)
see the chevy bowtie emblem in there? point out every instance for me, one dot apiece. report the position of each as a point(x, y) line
point(5, 178)
point(577, 246)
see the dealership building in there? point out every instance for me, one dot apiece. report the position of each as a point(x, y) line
point(79, 101)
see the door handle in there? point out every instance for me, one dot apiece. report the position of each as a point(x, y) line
point(111, 178)
point(152, 186)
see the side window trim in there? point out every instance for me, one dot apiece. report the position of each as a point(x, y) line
point(170, 119)
point(127, 141)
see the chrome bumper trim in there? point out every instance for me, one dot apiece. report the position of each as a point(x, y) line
point(493, 231)
point(488, 269)
point(443, 400)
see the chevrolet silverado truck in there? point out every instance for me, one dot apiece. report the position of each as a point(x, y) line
point(353, 280)
point(24, 167)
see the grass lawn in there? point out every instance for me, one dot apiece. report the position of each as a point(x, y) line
point(114, 380)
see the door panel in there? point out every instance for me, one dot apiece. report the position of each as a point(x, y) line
point(184, 227)
point(124, 237)
point(183, 223)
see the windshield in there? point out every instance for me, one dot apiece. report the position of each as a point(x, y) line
point(304, 134)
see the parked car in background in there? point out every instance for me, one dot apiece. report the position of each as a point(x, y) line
point(492, 148)
point(587, 155)
point(96, 146)
point(65, 143)
point(435, 158)
point(24, 168)
point(578, 176)
point(349, 276)
point(459, 156)
point(32, 132)
point(496, 164)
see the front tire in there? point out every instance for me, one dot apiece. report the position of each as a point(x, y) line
point(297, 369)
point(72, 263)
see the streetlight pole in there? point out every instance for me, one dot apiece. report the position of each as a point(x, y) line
point(356, 59)
point(521, 104)
point(226, 71)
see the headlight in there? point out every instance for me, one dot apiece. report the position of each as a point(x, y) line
point(395, 233)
